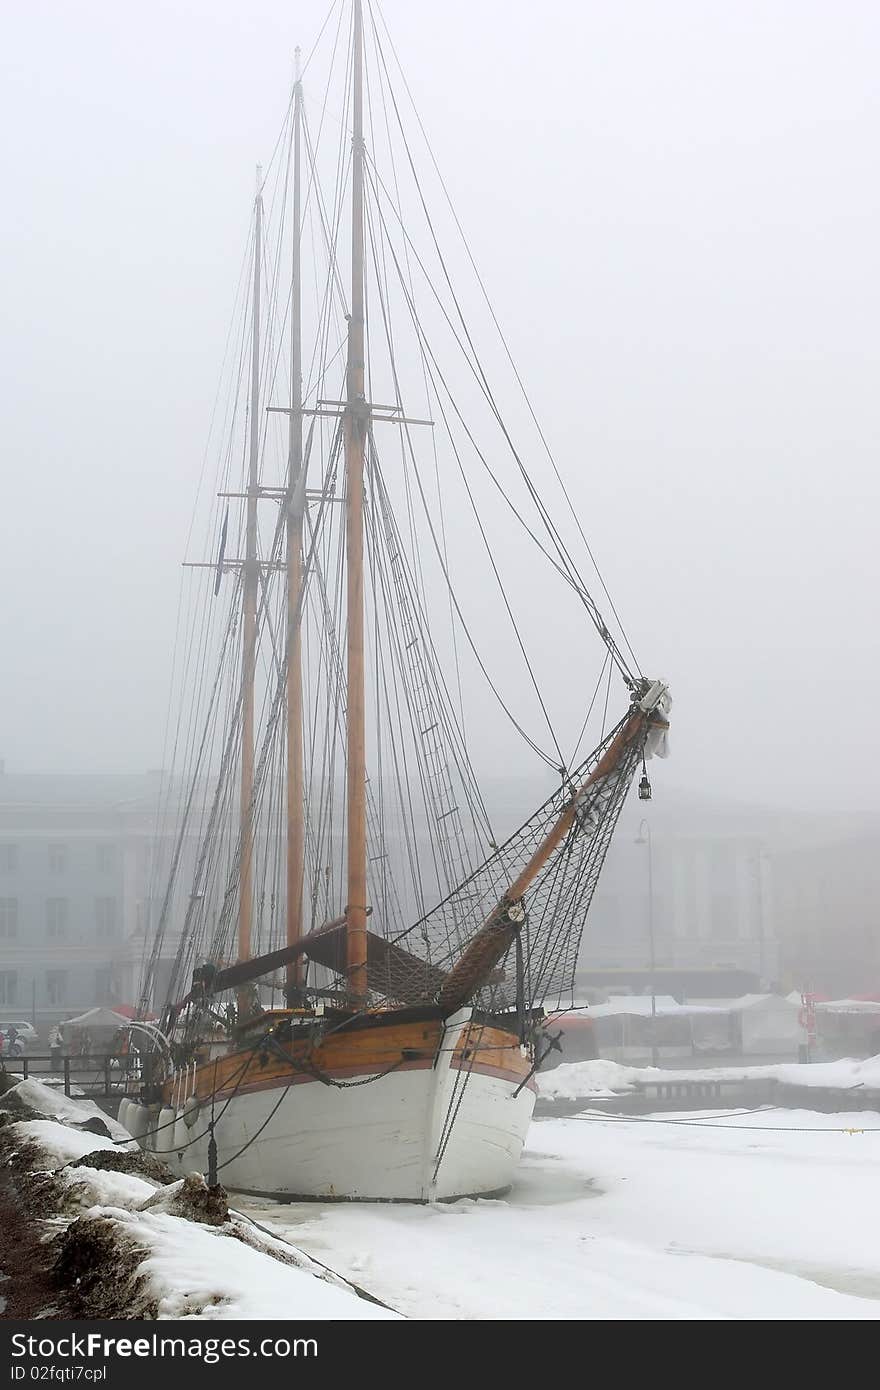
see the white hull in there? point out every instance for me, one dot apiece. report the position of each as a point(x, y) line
point(388, 1140)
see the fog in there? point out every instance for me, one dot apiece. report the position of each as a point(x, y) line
point(676, 212)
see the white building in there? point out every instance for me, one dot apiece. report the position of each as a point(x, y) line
point(81, 876)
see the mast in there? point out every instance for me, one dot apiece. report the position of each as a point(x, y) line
point(249, 617)
point(295, 504)
point(355, 425)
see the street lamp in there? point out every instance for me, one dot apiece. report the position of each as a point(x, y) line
point(644, 838)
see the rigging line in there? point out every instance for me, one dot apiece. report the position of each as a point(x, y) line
point(452, 1114)
point(268, 737)
point(286, 118)
point(205, 847)
point(203, 643)
point(158, 819)
point(438, 710)
point(569, 577)
point(313, 49)
point(601, 1118)
point(380, 865)
point(338, 703)
point(566, 571)
point(435, 452)
point(323, 302)
point(577, 745)
point(319, 365)
point(322, 661)
point(433, 669)
point(482, 380)
point(380, 665)
point(234, 317)
point(272, 286)
point(422, 672)
point(343, 161)
point(490, 307)
point(211, 812)
point(567, 568)
point(328, 1269)
point(417, 581)
point(193, 647)
point(568, 919)
point(263, 615)
point(447, 577)
point(605, 710)
point(339, 179)
point(420, 768)
point(166, 904)
point(546, 813)
point(330, 232)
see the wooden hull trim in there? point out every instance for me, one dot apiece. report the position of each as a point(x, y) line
point(354, 1072)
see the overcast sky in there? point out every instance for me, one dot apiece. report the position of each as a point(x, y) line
point(675, 206)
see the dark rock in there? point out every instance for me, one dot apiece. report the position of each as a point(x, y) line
point(42, 1194)
point(12, 1104)
point(94, 1125)
point(143, 1165)
point(96, 1266)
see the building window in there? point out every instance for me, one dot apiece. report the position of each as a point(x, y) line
point(105, 916)
point(56, 916)
point(56, 986)
point(57, 859)
point(8, 858)
point(8, 917)
point(8, 986)
point(106, 858)
point(104, 986)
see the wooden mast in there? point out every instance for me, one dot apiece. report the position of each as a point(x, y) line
point(295, 504)
point(249, 620)
point(355, 425)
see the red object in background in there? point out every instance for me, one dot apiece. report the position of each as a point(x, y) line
point(129, 1011)
point(579, 1043)
point(807, 1015)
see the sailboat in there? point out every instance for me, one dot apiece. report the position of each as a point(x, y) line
point(355, 1008)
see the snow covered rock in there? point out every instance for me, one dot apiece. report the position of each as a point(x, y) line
point(137, 1161)
point(192, 1199)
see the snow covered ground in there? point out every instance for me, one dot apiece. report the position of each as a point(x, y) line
point(584, 1080)
point(770, 1215)
point(767, 1216)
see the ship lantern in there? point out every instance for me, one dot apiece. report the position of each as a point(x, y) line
point(644, 788)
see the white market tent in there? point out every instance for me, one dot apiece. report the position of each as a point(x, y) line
point(98, 1020)
point(761, 1024)
point(754, 1024)
point(768, 1023)
point(848, 1006)
point(848, 1027)
point(623, 1025)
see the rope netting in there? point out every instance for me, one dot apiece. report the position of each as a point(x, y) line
point(416, 965)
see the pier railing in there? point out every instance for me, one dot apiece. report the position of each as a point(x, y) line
point(96, 1073)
